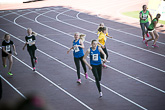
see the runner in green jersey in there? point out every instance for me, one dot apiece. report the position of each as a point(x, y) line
point(152, 31)
point(143, 15)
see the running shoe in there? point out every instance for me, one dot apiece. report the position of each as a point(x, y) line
point(86, 75)
point(146, 43)
point(104, 66)
point(79, 81)
point(101, 94)
point(147, 34)
point(36, 60)
point(155, 45)
point(34, 69)
point(5, 66)
point(9, 73)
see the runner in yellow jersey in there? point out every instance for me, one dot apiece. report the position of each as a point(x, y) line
point(102, 37)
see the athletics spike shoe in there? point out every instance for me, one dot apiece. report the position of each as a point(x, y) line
point(34, 69)
point(9, 73)
point(104, 66)
point(101, 94)
point(86, 75)
point(5, 66)
point(147, 34)
point(154, 46)
point(146, 43)
point(79, 81)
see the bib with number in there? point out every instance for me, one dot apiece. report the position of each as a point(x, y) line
point(7, 48)
point(95, 57)
point(76, 49)
point(145, 16)
point(30, 41)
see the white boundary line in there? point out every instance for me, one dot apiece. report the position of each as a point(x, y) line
point(13, 87)
point(119, 53)
point(45, 76)
point(73, 70)
point(89, 42)
point(90, 78)
point(112, 38)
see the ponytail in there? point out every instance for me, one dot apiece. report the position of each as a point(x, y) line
point(82, 37)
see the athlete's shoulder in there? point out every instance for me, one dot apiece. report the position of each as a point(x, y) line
point(11, 42)
point(141, 12)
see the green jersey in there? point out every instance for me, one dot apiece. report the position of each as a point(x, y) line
point(151, 26)
point(144, 16)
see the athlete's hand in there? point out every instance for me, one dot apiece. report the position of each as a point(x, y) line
point(90, 67)
point(104, 61)
point(10, 54)
point(76, 46)
point(68, 51)
point(15, 53)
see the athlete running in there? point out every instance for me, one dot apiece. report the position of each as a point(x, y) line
point(31, 47)
point(78, 54)
point(152, 31)
point(95, 62)
point(143, 15)
point(7, 52)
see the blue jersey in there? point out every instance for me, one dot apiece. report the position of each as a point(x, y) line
point(78, 52)
point(95, 58)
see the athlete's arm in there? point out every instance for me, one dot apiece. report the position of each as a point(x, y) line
point(70, 49)
point(14, 49)
point(108, 36)
point(101, 50)
point(81, 44)
point(24, 46)
point(84, 59)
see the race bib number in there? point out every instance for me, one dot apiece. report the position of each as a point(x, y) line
point(76, 49)
point(7, 48)
point(30, 42)
point(144, 16)
point(95, 57)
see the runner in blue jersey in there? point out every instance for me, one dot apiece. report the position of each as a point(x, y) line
point(95, 62)
point(78, 54)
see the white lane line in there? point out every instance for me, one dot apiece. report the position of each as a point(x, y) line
point(119, 53)
point(73, 70)
point(45, 76)
point(11, 84)
point(67, 47)
point(111, 39)
point(13, 87)
point(118, 30)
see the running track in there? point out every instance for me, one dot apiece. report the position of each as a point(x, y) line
point(134, 79)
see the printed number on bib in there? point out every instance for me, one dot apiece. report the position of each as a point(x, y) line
point(144, 16)
point(76, 49)
point(7, 48)
point(30, 42)
point(95, 57)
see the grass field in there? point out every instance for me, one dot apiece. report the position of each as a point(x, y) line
point(135, 14)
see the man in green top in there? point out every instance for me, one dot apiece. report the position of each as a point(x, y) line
point(143, 15)
point(152, 31)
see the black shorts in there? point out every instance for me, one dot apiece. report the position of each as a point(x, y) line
point(150, 30)
point(4, 54)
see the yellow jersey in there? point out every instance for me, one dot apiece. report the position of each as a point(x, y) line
point(102, 38)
